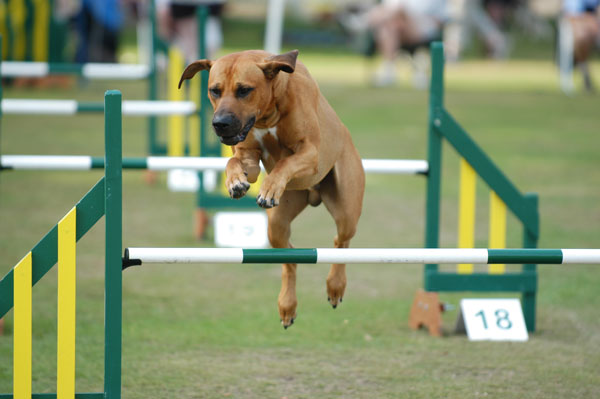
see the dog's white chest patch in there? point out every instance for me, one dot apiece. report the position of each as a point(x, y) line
point(259, 134)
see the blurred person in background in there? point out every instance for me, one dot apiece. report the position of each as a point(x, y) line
point(408, 24)
point(178, 25)
point(485, 18)
point(397, 25)
point(579, 35)
point(98, 25)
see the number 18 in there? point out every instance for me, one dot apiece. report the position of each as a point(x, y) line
point(502, 320)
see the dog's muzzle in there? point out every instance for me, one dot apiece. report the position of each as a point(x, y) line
point(229, 128)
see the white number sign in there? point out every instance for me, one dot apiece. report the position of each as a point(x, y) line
point(241, 229)
point(494, 319)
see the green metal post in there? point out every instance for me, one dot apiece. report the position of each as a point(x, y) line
point(530, 240)
point(1, 96)
point(153, 148)
point(114, 243)
point(434, 156)
point(1, 92)
point(10, 35)
point(201, 16)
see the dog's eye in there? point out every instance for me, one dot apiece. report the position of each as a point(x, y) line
point(243, 91)
point(214, 92)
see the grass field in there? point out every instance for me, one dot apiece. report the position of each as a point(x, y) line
point(213, 331)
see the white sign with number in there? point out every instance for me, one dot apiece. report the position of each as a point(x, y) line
point(182, 180)
point(241, 229)
point(494, 319)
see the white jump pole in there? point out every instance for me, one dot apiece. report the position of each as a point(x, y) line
point(82, 162)
point(361, 255)
point(71, 107)
point(89, 70)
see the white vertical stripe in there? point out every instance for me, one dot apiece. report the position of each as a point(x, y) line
point(187, 255)
point(46, 162)
point(21, 106)
point(584, 256)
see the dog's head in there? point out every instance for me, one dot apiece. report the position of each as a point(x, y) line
point(239, 88)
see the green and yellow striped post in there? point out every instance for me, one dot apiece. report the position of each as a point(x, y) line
point(64, 241)
point(59, 246)
point(442, 125)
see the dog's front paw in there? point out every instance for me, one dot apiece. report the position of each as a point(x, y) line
point(287, 311)
point(270, 192)
point(336, 285)
point(237, 187)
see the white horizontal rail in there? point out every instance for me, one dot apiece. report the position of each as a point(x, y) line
point(189, 163)
point(362, 255)
point(43, 107)
point(70, 107)
point(49, 162)
point(408, 255)
point(81, 162)
point(158, 108)
point(395, 166)
point(115, 71)
point(15, 69)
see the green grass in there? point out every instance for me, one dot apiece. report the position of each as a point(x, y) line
point(213, 331)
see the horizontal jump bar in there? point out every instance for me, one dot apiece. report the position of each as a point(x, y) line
point(71, 107)
point(92, 70)
point(82, 162)
point(137, 256)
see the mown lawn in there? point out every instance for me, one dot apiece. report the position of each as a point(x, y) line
point(213, 331)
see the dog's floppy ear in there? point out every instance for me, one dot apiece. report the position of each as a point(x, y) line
point(283, 62)
point(194, 68)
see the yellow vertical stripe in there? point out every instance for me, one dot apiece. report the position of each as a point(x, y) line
point(22, 329)
point(226, 152)
point(194, 120)
point(17, 14)
point(3, 30)
point(175, 147)
point(466, 211)
point(65, 381)
point(41, 30)
point(497, 235)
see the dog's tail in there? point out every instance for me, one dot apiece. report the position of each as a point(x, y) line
point(314, 197)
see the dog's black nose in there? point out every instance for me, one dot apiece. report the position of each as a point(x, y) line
point(222, 122)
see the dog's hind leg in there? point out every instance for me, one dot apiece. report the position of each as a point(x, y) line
point(280, 219)
point(342, 193)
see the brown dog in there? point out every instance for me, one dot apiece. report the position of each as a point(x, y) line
point(283, 120)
